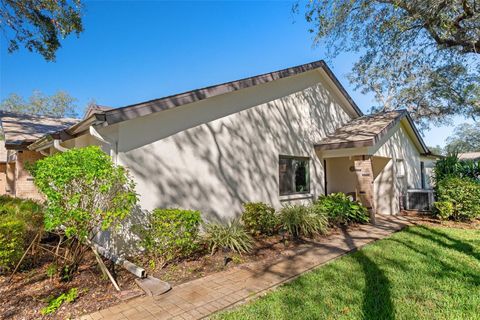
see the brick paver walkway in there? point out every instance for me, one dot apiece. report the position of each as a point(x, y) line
point(202, 297)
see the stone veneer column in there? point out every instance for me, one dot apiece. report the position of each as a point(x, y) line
point(364, 181)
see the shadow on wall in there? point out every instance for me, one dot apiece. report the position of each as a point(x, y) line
point(217, 166)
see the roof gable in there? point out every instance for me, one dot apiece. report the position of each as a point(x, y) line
point(368, 130)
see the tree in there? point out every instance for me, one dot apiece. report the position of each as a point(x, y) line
point(61, 104)
point(85, 194)
point(465, 138)
point(38, 25)
point(437, 150)
point(422, 55)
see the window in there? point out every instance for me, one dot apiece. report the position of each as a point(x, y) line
point(293, 175)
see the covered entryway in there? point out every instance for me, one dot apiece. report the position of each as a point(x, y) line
point(374, 159)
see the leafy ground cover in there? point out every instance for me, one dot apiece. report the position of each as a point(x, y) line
point(423, 272)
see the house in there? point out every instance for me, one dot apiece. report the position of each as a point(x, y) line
point(19, 131)
point(474, 156)
point(282, 137)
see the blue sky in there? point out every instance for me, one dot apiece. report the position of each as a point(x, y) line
point(133, 51)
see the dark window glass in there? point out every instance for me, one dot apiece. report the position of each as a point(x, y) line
point(293, 175)
point(422, 173)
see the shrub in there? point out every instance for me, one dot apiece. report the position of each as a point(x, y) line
point(300, 220)
point(340, 209)
point(12, 235)
point(451, 166)
point(443, 209)
point(172, 233)
point(463, 193)
point(86, 193)
point(259, 218)
point(20, 220)
point(231, 236)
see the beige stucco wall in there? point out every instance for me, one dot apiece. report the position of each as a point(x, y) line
point(215, 154)
point(392, 181)
point(339, 176)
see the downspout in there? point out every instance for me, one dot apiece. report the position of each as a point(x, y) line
point(129, 266)
point(56, 145)
point(113, 145)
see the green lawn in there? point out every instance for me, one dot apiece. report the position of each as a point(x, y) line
point(418, 273)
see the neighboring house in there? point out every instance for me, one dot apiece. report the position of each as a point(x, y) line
point(19, 131)
point(282, 137)
point(475, 156)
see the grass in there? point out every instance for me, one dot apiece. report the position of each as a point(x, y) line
point(419, 273)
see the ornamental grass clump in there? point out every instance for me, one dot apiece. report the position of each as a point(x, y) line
point(85, 194)
point(300, 220)
point(228, 237)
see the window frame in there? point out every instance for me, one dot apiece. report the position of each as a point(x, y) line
point(292, 157)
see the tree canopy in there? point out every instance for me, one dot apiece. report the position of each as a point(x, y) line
point(465, 138)
point(60, 104)
point(39, 25)
point(420, 55)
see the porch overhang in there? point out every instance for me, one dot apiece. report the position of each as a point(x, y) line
point(365, 135)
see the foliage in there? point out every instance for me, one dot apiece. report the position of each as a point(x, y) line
point(20, 220)
point(463, 193)
point(39, 25)
point(55, 303)
point(416, 54)
point(12, 233)
point(259, 218)
point(451, 166)
point(300, 220)
point(172, 233)
point(340, 209)
point(394, 278)
point(437, 150)
point(443, 209)
point(231, 236)
point(85, 193)
point(60, 104)
point(465, 138)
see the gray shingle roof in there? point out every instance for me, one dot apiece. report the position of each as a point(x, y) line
point(22, 129)
point(363, 131)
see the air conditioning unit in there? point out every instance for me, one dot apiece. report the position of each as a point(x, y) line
point(419, 199)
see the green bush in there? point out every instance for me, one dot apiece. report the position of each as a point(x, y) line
point(231, 236)
point(443, 209)
point(12, 238)
point(259, 218)
point(452, 166)
point(20, 221)
point(340, 209)
point(172, 233)
point(300, 220)
point(463, 193)
point(85, 194)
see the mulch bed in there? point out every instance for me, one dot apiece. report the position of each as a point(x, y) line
point(30, 289)
point(430, 220)
point(265, 249)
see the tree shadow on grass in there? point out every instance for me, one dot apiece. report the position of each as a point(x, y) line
point(445, 240)
point(377, 300)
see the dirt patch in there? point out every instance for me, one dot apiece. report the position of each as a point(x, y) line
point(29, 291)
